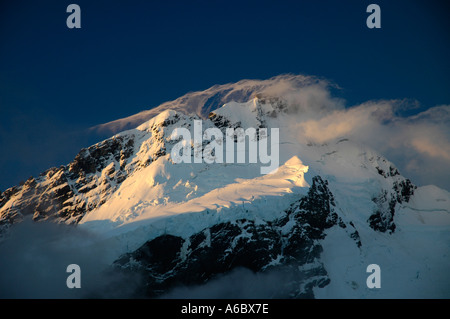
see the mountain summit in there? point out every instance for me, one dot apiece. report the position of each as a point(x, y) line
point(201, 103)
point(312, 226)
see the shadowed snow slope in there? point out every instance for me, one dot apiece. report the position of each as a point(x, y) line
point(328, 211)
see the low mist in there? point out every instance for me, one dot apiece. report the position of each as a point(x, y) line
point(34, 257)
point(242, 283)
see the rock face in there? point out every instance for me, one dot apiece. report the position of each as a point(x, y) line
point(289, 244)
point(67, 193)
point(203, 102)
point(383, 218)
point(130, 176)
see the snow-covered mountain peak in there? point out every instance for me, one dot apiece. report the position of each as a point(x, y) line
point(165, 118)
point(258, 112)
point(329, 209)
point(201, 103)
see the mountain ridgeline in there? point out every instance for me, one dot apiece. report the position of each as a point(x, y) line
point(327, 212)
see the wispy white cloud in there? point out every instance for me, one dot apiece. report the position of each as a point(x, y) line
point(418, 144)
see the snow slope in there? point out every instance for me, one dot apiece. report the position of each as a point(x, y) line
point(201, 103)
point(182, 199)
point(128, 191)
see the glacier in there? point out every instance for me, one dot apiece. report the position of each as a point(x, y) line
point(329, 211)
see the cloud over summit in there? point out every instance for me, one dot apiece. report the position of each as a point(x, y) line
point(417, 142)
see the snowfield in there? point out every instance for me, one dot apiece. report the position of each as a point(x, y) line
point(127, 192)
point(182, 199)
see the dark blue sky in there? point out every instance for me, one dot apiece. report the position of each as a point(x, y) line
point(132, 55)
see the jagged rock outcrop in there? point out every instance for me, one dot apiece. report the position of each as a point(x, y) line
point(289, 244)
point(67, 193)
point(386, 202)
point(197, 223)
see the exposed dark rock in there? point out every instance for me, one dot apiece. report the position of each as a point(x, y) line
point(172, 120)
point(355, 236)
point(287, 244)
point(404, 189)
point(222, 122)
point(381, 171)
point(393, 171)
point(383, 218)
point(53, 195)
